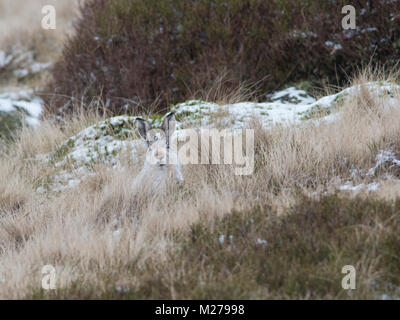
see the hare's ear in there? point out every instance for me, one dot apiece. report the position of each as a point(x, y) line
point(143, 126)
point(169, 124)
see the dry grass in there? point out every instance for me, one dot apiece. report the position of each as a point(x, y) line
point(74, 231)
point(21, 31)
point(224, 91)
point(21, 20)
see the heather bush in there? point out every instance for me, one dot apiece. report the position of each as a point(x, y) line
point(133, 53)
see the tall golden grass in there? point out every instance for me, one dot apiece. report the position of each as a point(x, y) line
point(64, 230)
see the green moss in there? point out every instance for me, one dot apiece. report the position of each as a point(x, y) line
point(315, 112)
point(339, 100)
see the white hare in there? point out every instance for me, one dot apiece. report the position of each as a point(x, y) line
point(161, 159)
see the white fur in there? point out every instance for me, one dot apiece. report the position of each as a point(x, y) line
point(156, 171)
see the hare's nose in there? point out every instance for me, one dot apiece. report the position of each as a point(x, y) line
point(159, 154)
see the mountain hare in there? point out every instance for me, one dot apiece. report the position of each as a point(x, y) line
point(161, 159)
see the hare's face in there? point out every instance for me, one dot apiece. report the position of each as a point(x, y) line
point(158, 153)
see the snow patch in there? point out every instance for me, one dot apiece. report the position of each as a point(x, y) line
point(23, 102)
point(349, 187)
point(371, 187)
point(21, 62)
point(102, 142)
point(285, 107)
point(385, 158)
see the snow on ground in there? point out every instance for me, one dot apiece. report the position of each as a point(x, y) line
point(99, 142)
point(384, 160)
point(103, 142)
point(24, 103)
point(287, 106)
point(22, 63)
point(291, 96)
point(369, 187)
point(18, 106)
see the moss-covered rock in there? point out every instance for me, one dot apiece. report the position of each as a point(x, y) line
point(100, 142)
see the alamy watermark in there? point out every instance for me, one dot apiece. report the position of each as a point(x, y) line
point(349, 20)
point(228, 147)
point(349, 280)
point(49, 277)
point(49, 18)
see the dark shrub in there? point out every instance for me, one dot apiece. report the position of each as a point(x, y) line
point(135, 52)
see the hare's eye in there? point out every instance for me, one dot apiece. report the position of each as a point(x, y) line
point(155, 138)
